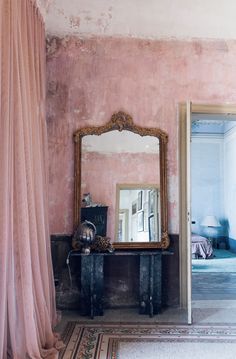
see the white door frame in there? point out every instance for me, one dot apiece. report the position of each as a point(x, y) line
point(184, 241)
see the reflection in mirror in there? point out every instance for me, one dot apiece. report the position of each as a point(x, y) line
point(138, 213)
point(120, 157)
point(122, 152)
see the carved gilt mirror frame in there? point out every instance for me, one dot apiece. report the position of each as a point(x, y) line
point(122, 121)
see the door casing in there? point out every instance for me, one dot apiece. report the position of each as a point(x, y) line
point(184, 265)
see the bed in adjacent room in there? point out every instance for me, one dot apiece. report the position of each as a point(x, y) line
point(201, 247)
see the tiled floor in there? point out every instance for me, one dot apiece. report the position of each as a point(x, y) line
point(215, 278)
point(171, 315)
point(214, 312)
point(204, 312)
point(214, 286)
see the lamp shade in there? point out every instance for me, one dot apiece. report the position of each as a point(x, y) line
point(210, 221)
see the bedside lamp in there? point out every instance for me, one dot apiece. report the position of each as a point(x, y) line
point(211, 222)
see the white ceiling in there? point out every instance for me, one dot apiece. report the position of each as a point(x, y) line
point(120, 142)
point(180, 19)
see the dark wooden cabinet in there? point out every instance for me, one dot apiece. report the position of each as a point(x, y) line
point(98, 216)
point(92, 281)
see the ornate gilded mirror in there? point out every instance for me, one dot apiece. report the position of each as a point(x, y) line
point(123, 167)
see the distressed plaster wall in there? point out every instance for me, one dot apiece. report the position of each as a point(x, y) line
point(154, 19)
point(90, 79)
point(43, 6)
point(101, 172)
point(104, 163)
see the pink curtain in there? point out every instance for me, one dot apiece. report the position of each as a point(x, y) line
point(27, 302)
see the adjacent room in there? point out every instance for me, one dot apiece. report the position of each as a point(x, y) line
point(213, 148)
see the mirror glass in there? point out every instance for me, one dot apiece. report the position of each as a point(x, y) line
point(138, 214)
point(124, 162)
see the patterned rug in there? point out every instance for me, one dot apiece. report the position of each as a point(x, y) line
point(148, 341)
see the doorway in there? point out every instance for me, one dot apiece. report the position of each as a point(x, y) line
point(192, 113)
point(213, 179)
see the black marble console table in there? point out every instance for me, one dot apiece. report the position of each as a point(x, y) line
point(92, 280)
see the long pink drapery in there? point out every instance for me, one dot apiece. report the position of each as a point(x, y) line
point(27, 302)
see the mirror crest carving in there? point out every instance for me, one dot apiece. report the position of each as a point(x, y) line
point(121, 121)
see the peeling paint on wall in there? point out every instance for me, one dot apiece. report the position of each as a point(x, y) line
point(75, 22)
point(43, 6)
point(88, 80)
point(148, 20)
point(102, 172)
point(69, 18)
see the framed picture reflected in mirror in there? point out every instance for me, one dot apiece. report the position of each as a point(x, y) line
point(134, 207)
point(140, 221)
point(151, 226)
point(151, 201)
point(140, 200)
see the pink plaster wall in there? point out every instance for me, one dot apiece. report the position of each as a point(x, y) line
point(102, 172)
point(90, 79)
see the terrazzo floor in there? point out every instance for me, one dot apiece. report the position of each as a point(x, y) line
point(214, 302)
point(171, 315)
point(203, 312)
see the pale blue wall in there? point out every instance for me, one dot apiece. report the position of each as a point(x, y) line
point(213, 176)
point(230, 186)
point(207, 180)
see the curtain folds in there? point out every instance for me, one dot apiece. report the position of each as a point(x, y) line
point(27, 300)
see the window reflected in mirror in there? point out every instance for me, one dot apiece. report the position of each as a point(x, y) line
point(138, 213)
